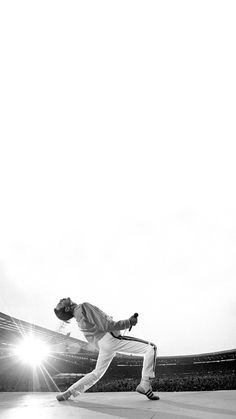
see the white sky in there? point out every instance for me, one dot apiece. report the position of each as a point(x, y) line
point(117, 165)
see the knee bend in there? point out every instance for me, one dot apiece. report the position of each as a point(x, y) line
point(98, 373)
point(154, 347)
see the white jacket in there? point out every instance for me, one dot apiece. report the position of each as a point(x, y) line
point(94, 323)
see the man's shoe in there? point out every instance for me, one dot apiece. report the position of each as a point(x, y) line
point(61, 397)
point(149, 393)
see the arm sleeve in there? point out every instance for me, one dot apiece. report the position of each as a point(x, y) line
point(120, 325)
point(103, 322)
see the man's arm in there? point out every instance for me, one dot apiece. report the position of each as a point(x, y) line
point(122, 324)
point(103, 322)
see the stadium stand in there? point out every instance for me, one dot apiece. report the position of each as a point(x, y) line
point(71, 358)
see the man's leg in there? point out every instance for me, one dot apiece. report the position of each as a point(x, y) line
point(104, 359)
point(128, 344)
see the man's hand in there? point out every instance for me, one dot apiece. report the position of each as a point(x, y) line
point(133, 320)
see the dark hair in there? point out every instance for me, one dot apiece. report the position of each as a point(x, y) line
point(63, 315)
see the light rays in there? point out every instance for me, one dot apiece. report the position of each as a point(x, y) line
point(47, 377)
point(37, 354)
point(32, 351)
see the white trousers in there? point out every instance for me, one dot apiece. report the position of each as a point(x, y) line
point(109, 345)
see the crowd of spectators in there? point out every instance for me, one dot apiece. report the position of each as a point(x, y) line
point(122, 375)
point(181, 382)
point(190, 382)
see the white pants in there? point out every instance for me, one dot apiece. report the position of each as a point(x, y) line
point(109, 345)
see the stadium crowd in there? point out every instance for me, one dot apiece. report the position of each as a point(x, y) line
point(190, 382)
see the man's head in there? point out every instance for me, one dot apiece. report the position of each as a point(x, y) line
point(64, 309)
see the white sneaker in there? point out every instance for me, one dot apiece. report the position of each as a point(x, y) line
point(61, 397)
point(149, 393)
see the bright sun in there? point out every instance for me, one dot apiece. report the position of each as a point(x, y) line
point(32, 351)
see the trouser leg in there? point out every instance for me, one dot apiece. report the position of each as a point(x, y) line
point(128, 344)
point(109, 346)
point(103, 362)
point(149, 362)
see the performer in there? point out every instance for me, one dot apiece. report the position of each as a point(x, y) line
point(104, 333)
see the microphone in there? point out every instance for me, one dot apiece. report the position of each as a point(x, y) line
point(134, 315)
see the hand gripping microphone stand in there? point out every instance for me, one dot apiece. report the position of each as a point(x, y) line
point(134, 315)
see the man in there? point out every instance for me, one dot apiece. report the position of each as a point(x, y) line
point(104, 333)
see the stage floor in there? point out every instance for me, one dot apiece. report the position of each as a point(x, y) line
point(207, 405)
